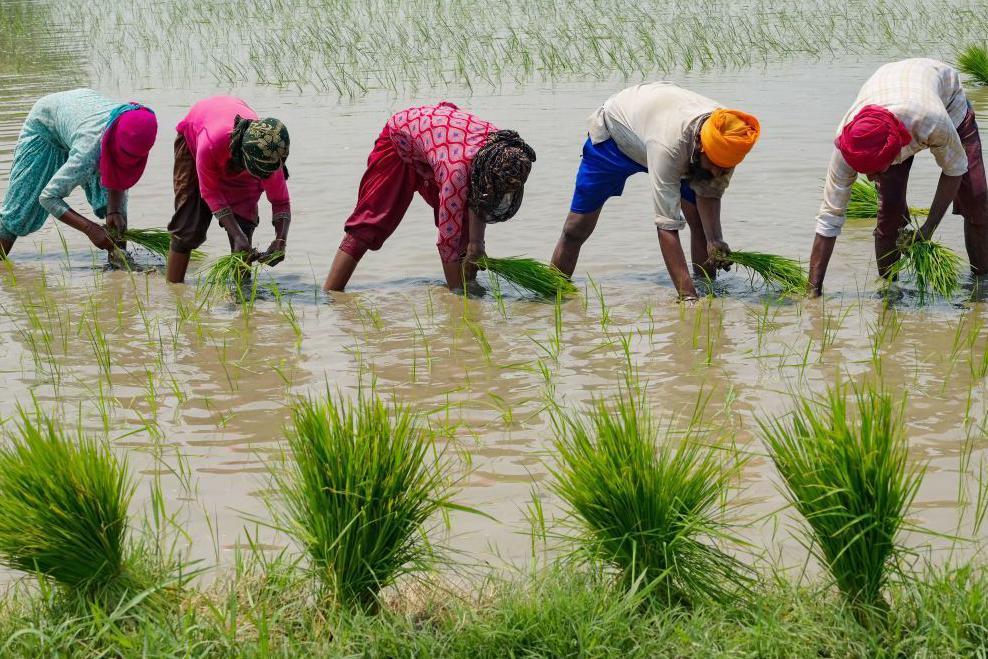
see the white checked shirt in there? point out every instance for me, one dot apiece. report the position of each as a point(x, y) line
point(655, 124)
point(926, 96)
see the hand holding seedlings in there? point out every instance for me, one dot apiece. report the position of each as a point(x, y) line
point(99, 236)
point(718, 255)
point(116, 226)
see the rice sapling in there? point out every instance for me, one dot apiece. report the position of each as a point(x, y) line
point(863, 204)
point(785, 273)
point(63, 507)
point(156, 241)
point(933, 267)
point(649, 507)
point(364, 483)
point(530, 276)
point(973, 61)
point(844, 462)
point(232, 272)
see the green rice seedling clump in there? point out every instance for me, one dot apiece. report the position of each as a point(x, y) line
point(973, 61)
point(785, 273)
point(844, 461)
point(933, 267)
point(530, 276)
point(365, 480)
point(157, 241)
point(649, 509)
point(863, 204)
point(63, 506)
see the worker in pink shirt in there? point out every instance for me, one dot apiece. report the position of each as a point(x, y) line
point(225, 157)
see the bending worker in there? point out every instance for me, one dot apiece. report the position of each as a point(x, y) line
point(689, 146)
point(903, 108)
point(225, 157)
point(74, 139)
point(468, 171)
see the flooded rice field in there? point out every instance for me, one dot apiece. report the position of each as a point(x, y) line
point(197, 396)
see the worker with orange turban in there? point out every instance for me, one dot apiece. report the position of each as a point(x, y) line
point(904, 108)
point(689, 145)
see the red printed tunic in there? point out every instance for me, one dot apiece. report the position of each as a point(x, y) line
point(441, 142)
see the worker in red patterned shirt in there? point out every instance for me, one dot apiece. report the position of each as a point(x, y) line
point(471, 173)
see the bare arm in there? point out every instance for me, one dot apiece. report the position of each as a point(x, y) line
point(116, 217)
point(275, 253)
point(947, 189)
point(459, 272)
point(709, 209)
point(823, 248)
point(96, 233)
point(675, 259)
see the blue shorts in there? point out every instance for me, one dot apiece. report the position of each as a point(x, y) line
point(603, 171)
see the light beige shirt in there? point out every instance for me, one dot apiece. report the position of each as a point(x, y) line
point(656, 125)
point(926, 96)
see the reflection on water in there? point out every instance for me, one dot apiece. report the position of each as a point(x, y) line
point(138, 360)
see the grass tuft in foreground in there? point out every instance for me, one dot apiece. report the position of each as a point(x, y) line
point(933, 267)
point(63, 506)
point(156, 241)
point(530, 276)
point(363, 485)
point(845, 463)
point(785, 273)
point(973, 61)
point(863, 204)
point(649, 508)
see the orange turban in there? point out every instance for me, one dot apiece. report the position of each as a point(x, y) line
point(728, 135)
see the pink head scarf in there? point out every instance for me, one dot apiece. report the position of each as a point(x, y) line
point(127, 141)
point(872, 140)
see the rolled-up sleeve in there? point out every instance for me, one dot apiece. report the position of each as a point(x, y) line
point(664, 177)
point(947, 149)
point(76, 171)
point(836, 196)
point(712, 188)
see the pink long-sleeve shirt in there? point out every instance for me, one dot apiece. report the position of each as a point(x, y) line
point(441, 141)
point(206, 129)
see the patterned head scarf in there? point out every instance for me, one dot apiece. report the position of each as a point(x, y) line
point(259, 145)
point(498, 176)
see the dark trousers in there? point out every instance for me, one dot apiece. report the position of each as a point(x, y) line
point(971, 203)
point(192, 215)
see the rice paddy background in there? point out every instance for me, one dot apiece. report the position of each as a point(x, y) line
point(197, 395)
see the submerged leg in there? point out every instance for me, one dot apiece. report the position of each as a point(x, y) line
point(178, 263)
point(972, 198)
point(6, 244)
point(340, 272)
point(576, 230)
point(893, 214)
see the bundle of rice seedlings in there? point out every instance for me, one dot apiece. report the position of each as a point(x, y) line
point(933, 267)
point(227, 273)
point(364, 483)
point(974, 62)
point(650, 509)
point(231, 273)
point(63, 507)
point(864, 202)
point(845, 464)
point(530, 276)
point(157, 241)
point(785, 273)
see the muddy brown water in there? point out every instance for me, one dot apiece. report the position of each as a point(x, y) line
point(216, 388)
